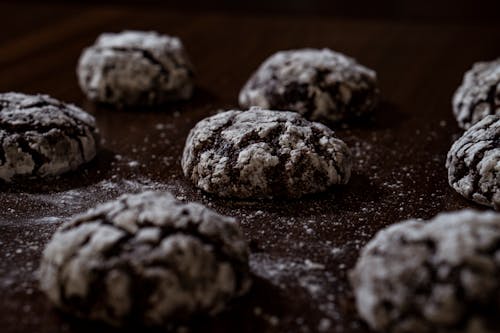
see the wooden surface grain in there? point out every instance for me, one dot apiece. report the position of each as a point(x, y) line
point(301, 250)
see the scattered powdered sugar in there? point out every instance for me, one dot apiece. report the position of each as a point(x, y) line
point(66, 203)
point(311, 278)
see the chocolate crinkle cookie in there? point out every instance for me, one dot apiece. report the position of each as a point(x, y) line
point(474, 163)
point(479, 94)
point(41, 137)
point(145, 259)
point(322, 85)
point(135, 68)
point(437, 276)
point(263, 154)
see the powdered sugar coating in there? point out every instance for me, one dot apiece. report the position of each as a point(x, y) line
point(474, 163)
point(322, 85)
point(145, 259)
point(437, 276)
point(135, 68)
point(41, 136)
point(479, 94)
point(262, 153)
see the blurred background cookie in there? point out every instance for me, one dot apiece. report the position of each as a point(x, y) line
point(135, 68)
point(322, 85)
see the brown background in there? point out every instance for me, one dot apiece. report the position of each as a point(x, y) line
point(465, 11)
point(420, 52)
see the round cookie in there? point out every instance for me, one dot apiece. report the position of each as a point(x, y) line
point(474, 163)
point(145, 259)
point(479, 94)
point(437, 276)
point(41, 137)
point(322, 85)
point(263, 154)
point(135, 68)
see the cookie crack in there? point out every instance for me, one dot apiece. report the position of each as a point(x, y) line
point(490, 99)
point(213, 140)
point(336, 165)
point(192, 229)
point(11, 129)
point(146, 54)
point(38, 158)
point(478, 157)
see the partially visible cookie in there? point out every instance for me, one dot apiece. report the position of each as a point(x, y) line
point(145, 259)
point(479, 94)
point(474, 163)
point(437, 276)
point(41, 136)
point(322, 85)
point(135, 68)
point(264, 154)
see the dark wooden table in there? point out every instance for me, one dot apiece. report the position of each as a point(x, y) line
point(301, 250)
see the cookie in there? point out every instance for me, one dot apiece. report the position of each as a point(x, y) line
point(479, 94)
point(437, 276)
point(135, 68)
point(322, 85)
point(41, 137)
point(147, 260)
point(474, 163)
point(263, 154)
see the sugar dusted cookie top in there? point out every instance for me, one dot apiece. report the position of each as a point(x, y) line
point(474, 163)
point(262, 154)
point(41, 136)
point(479, 94)
point(436, 276)
point(145, 259)
point(321, 84)
point(135, 68)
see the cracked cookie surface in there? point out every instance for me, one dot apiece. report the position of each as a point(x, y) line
point(135, 68)
point(145, 259)
point(479, 94)
point(41, 136)
point(322, 85)
point(437, 276)
point(263, 154)
point(474, 163)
